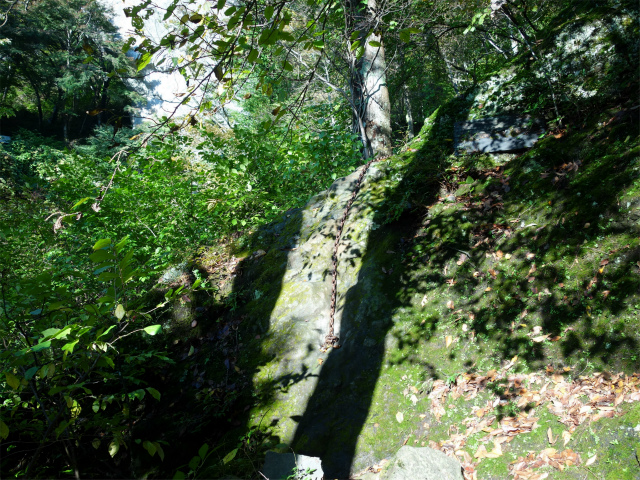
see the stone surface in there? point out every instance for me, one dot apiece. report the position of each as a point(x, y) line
point(496, 134)
point(5, 139)
point(314, 395)
point(411, 463)
point(281, 466)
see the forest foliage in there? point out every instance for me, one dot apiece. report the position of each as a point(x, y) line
point(94, 209)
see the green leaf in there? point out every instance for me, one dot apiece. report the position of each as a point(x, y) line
point(12, 380)
point(126, 260)
point(122, 243)
point(95, 442)
point(375, 44)
point(218, 72)
point(106, 331)
point(149, 447)
point(70, 346)
point(194, 462)
point(102, 243)
point(106, 276)
point(268, 12)
point(113, 448)
point(109, 361)
point(41, 346)
point(179, 475)
point(221, 4)
point(405, 35)
point(101, 256)
point(160, 451)
point(203, 450)
point(4, 430)
point(143, 62)
point(153, 329)
point(154, 393)
point(120, 313)
point(49, 332)
point(287, 66)
point(230, 456)
point(80, 202)
point(253, 56)
point(30, 373)
point(61, 428)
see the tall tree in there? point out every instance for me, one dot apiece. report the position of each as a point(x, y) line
point(65, 57)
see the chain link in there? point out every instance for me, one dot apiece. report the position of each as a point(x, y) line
point(331, 340)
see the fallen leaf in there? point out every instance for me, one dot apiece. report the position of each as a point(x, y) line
point(399, 417)
point(550, 437)
point(464, 327)
point(493, 273)
point(530, 256)
point(566, 436)
point(463, 258)
point(481, 452)
point(450, 305)
point(448, 341)
point(499, 254)
point(591, 461)
point(540, 338)
point(604, 262)
point(414, 400)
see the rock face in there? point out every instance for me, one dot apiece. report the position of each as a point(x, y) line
point(496, 134)
point(314, 397)
point(412, 463)
point(282, 466)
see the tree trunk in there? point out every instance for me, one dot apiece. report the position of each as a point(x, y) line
point(407, 111)
point(369, 85)
point(38, 103)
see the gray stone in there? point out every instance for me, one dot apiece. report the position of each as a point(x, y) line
point(496, 134)
point(5, 139)
point(411, 463)
point(282, 466)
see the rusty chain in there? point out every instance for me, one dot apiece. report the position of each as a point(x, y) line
point(331, 340)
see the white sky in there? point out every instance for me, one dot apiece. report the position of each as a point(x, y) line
point(161, 97)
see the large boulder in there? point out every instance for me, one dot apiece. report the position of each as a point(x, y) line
point(284, 466)
point(411, 463)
